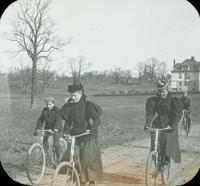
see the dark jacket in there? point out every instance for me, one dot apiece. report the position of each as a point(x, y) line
point(166, 112)
point(51, 118)
point(185, 102)
point(78, 116)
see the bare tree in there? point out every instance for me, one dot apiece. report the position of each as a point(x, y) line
point(162, 70)
point(33, 33)
point(151, 68)
point(76, 67)
point(140, 71)
point(44, 74)
point(22, 77)
point(116, 74)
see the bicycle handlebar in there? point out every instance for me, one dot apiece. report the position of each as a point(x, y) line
point(167, 129)
point(79, 135)
point(49, 130)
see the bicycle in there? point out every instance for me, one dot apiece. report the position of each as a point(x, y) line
point(37, 159)
point(67, 173)
point(183, 124)
point(154, 165)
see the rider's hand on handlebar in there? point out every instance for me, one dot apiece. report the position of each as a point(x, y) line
point(35, 133)
point(88, 131)
point(67, 137)
point(55, 131)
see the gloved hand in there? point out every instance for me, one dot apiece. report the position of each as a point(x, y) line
point(55, 131)
point(35, 133)
point(67, 137)
point(172, 128)
point(145, 127)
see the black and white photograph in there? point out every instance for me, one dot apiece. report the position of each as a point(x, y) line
point(100, 92)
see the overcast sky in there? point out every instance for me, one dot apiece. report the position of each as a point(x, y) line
point(118, 33)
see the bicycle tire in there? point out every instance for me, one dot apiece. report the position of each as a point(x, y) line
point(63, 146)
point(187, 129)
point(165, 174)
point(40, 162)
point(65, 175)
point(151, 169)
point(180, 128)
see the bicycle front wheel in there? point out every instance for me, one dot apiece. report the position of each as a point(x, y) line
point(35, 164)
point(151, 169)
point(65, 175)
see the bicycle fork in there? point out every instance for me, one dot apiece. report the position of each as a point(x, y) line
point(156, 153)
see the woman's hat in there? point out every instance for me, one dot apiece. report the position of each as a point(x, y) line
point(161, 84)
point(75, 87)
point(49, 99)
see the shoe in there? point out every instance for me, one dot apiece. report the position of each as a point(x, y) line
point(82, 184)
point(92, 183)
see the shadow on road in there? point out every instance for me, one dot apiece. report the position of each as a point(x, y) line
point(120, 178)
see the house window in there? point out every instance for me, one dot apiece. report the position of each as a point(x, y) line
point(180, 84)
point(180, 75)
point(185, 83)
point(187, 76)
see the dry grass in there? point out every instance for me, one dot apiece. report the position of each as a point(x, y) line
point(122, 120)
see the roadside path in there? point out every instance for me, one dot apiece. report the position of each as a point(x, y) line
point(124, 165)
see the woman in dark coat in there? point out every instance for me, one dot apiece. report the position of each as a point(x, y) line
point(78, 114)
point(165, 111)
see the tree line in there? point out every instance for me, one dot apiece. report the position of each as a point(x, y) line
point(34, 34)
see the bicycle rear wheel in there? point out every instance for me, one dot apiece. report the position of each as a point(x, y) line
point(35, 164)
point(65, 175)
point(151, 169)
point(165, 173)
point(187, 127)
point(63, 146)
point(180, 127)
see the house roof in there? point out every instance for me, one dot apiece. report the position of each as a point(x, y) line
point(194, 66)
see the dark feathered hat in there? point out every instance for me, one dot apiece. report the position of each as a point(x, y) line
point(75, 87)
point(161, 84)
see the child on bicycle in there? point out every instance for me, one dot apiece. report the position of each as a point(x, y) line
point(51, 119)
point(81, 115)
point(164, 111)
point(185, 100)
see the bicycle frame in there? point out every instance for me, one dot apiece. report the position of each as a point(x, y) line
point(72, 149)
point(42, 135)
point(158, 160)
point(41, 142)
point(156, 131)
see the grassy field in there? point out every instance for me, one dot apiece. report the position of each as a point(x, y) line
point(122, 120)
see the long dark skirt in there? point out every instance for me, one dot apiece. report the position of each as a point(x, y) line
point(89, 155)
point(169, 145)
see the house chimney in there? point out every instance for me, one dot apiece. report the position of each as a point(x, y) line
point(174, 62)
point(192, 58)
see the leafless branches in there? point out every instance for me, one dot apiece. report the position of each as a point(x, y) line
point(33, 32)
point(76, 67)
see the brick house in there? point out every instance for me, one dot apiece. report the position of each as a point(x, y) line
point(185, 76)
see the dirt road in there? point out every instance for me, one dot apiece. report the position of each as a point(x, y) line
point(124, 165)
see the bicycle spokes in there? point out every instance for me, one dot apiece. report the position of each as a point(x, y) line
point(65, 175)
point(35, 163)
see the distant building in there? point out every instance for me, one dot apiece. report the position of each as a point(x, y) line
point(186, 76)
